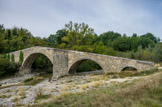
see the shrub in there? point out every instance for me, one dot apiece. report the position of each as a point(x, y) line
point(8, 57)
point(22, 92)
point(28, 79)
point(7, 68)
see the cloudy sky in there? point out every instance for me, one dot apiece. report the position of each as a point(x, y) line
point(45, 17)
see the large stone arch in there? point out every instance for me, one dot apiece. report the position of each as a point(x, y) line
point(29, 59)
point(72, 68)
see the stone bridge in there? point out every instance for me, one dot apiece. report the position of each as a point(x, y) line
point(66, 61)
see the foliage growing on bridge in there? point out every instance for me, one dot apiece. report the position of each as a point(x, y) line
point(21, 57)
point(12, 58)
point(8, 57)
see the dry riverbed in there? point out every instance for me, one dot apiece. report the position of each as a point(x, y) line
point(14, 92)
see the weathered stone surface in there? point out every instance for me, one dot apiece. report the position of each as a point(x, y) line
point(66, 61)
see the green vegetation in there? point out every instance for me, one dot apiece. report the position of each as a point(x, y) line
point(80, 37)
point(40, 65)
point(44, 96)
point(142, 93)
point(13, 58)
point(21, 57)
point(28, 79)
point(33, 81)
point(90, 66)
point(7, 68)
point(8, 57)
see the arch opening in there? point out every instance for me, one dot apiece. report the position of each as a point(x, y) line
point(85, 66)
point(129, 69)
point(38, 63)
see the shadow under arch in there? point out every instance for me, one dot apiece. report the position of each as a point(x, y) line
point(76, 64)
point(27, 64)
point(129, 68)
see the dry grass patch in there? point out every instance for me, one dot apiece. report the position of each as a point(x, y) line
point(85, 86)
point(15, 99)
point(3, 95)
point(22, 92)
point(145, 92)
point(9, 95)
point(95, 84)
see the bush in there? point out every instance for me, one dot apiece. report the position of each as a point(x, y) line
point(28, 79)
point(7, 68)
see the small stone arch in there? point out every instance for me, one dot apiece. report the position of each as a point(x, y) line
point(131, 68)
point(74, 66)
point(28, 61)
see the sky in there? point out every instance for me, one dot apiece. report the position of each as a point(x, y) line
point(45, 17)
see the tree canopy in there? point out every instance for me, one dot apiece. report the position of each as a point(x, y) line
point(81, 37)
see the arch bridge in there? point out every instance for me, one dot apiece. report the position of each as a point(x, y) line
point(67, 61)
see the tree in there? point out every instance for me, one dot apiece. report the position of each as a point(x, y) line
point(135, 43)
point(158, 53)
point(2, 29)
point(151, 37)
point(57, 38)
point(1, 45)
point(139, 53)
point(77, 34)
point(134, 35)
point(100, 48)
point(145, 42)
point(122, 44)
point(108, 38)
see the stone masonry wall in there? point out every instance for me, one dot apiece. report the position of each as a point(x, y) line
point(64, 60)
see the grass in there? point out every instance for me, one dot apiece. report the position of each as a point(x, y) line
point(96, 84)
point(85, 86)
point(124, 74)
point(2, 95)
point(145, 92)
point(40, 95)
point(45, 96)
point(22, 92)
point(15, 99)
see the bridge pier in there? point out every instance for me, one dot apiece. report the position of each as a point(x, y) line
point(60, 64)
